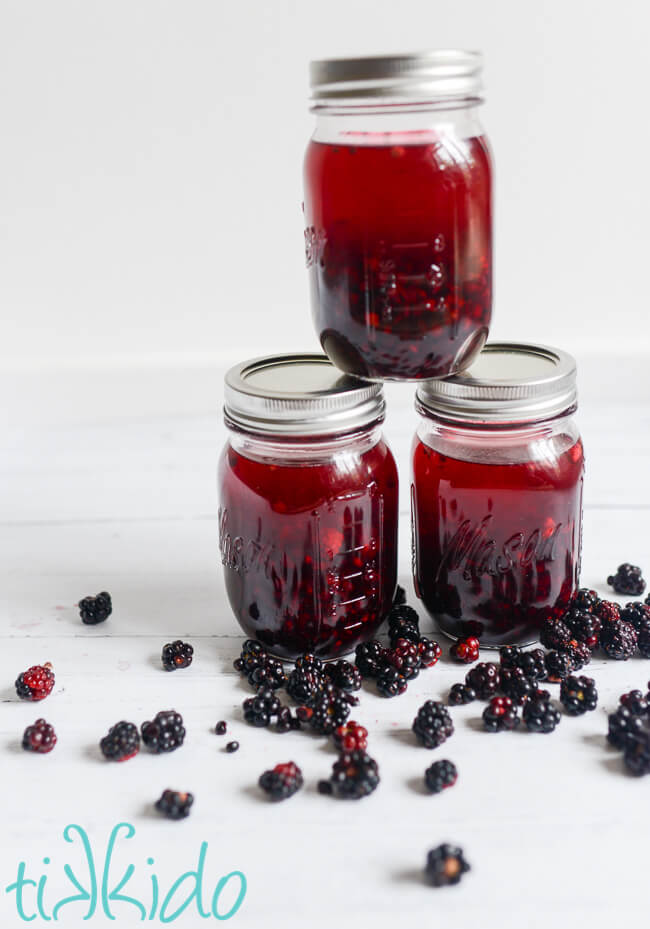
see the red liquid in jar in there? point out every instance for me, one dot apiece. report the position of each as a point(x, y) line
point(497, 546)
point(310, 550)
point(398, 243)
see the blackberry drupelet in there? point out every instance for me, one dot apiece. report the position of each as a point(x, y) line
point(351, 737)
point(261, 709)
point(390, 682)
point(539, 713)
point(510, 656)
point(484, 679)
point(95, 610)
point(585, 599)
point(40, 737)
point(618, 640)
point(637, 755)
point(533, 664)
point(628, 580)
point(585, 627)
point(303, 686)
point(370, 657)
point(269, 674)
point(466, 650)
point(432, 725)
point(174, 804)
point(429, 652)
point(461, 694)
point(329, 711)
point(282, 781)
point(445, 865)
point(515, 685)
point(165, 733)
point(404, 657)
point(221, 727)
point(36, 683)
point(554, 633)
point(354, 775)
point(177, 654)
point(440, 775)
point(636, 702)
point(624, 727)
point(559, 665)
point(500, 715)
point(121, 743)
point(635, 613)
point(232, 747)
point(343, 675)
point(578, 695)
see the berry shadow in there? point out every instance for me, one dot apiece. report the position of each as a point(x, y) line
point(16, 748)
point(405, 736)
point(93, 753)
point(616, 766)
point(410, 876)
point(417, 785)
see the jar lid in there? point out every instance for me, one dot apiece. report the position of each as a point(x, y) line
point(432, 75)
point(300, 394)
point(508, 382)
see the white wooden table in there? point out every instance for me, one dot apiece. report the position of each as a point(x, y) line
point(108, 482)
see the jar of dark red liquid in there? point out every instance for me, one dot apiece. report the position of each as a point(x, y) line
point(398, 228)
point(497, 494)
point(308, 505)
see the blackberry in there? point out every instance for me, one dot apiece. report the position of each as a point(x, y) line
point(539, 713)
point(282, 781)
point(165, 733)
point(95, 610)
point(637, 755)
point(36, 683)
point(221, 727)
point(286, 721)
point(270, 674)
point(354, 775)
point(559, 665)
point(232, 747)
point(585, 627)
point(510, 656)
point(261, 709)
point(484, 678)
point(554, 633)
point(578, 695)
point(404, 657)
point(500, 715)
point(627, 580)
point(515, 685)
point(174, 804)
point(40, 737)
point(401, 612)
point(440, 775)
point(351, 737)
point(579, 653)
point(329, 711)
point(624, 727)
point(635, 613)
point(432, 726)
point(370, 658)
point(618, 640)
point(429, 652)
point(309, 662)
point(585, 599)
point(390, 683)
point(643, 638)
point(465, 650)
point(533, 664)
point(177, 655)
point(303, 686)
point(404, 629)
point(253, 655)
point(121, 743)
point(343, 675)
point(607, 611)
point(400, 596)
point(460, 694)
point(445, 865)
point(635, 702)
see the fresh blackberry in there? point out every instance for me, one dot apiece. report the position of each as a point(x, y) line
point(329, 711)
point(440, 775)
point(309, 662)
point(585, 627)
point(500, 715)
point(390, 683)
point(429, 652)
point(232, 747)
point(401, 612)
point(404, 657)
point(343, 675)
point(515, 685)
point(559, 665)
point(40, 737)
point(174, 804)
point(643, 638)
point(253, 655)
point(270, 675)
point(36, 683)
point(303, 686)
point(578, 695)
point(510, 656)
point(624, 727)
point(635, 613)
point(445, 865)
point(618, 640)
point(607, 611)
point(539, 713)
point(585, 599)
point(282, 781)
point(554, 633)
point(165, 733)
point(533, 664)
point(400, 596)
point(261, 709)
point(177, 655)
point(579, 654)
point(484, 679)
point(635, 702)
point(351, 737)
point(432, 726)
point(460, 694)
point(403, 629)
point(637, 755)
point(95, 610)
point(121, 743)
point(370, 658)
point(354, 775)
point(628, 580)
point(286, 721)
point(466, 650)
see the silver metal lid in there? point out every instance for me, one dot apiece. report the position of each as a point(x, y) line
point(508, 382)
point(433, 75)
point(300, 394)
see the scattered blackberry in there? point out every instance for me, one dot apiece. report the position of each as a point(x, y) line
point(637, 755)
point(351, 737)
point(343, 675)
point(440, 775)
point(370, 658)
point(607, 611)
point(635, 702)
point(500, 715)
point(460, 694)
point(627, 580)
point(253, 655)
point(177, 655)
point(510, 656)
point(579, 654)
point(40, 737)
point(584, 599)
point(533, 664)
point(286, 721)
point(232, 747)
point(539, 713)
point(515, 685)
point(36, 683)
point(578, 695)
point(432, 726)
point(174, 805)
point(618, 640)
point(635, 613)
point(221, 727)
point(624, 727)
point(429, 652)
point(559, 665)
point(260, 710)
point(484, 679)
point(404, 629)
point(390, 683)
point(165, 733)
point(270, 674)
point(309, 662)
point(354, 775)
point(303, 686)
point(643, 638)
point(329, 711)
point(585, 627)
point(121, 743)
point(445, 865)
point(401, 612)
point(466, 650)
point(400, 596)
point(282, 781)
point(404, 657)
point(554, 633)
point(95, 610)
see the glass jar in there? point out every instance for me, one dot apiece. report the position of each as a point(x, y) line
point(308, 506)
point(496, 496)
point(397, 209)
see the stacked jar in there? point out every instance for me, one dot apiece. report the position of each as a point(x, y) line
point(398, 243)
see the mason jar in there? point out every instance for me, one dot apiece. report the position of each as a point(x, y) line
point(398, 214)
point(496, 495)
point(308, 506)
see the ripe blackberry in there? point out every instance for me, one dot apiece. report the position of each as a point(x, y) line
point(400, 596)
point(558, 666)
point(174, 804)
point(282, 781)
point(578, 695)
point(579, 653)
point(309, 662)
point(221, 727)
point(343, 675)
point(177, 655)
point(351, 737)
point(585, 627)
point(432, 726)
point(260, 710)
point(440, 775)
point(533, 664)
point(460, 694)
point(370, 658)
point(303, 686)
point(510, 656)
point(165, 733)
point(500, 715)
point(466, 650)
point(286, 721)
point(607, 611)
point(121, 743)
point(539, 713)
point(624, 727)
point(232, 747)
point(390, 682)
point(354, 775)
point(40, 737)
point(95, 610)
point(643, 638)
point(484, 679)
point(628, 580)
point(328, 711)
point(585, 599)
point(637, 755)
point(270, 674)
point(36, 683)
point(618, 640)
point(253, 655)
point(635, 702)
point(554, 633)
point(404, 657)
point(445, 865)
point(401, 612)
point(515, 685)
point(635, 613)
point(403, 629)
point(429, 652)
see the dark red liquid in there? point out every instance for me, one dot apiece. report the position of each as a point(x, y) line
point(497, 546)
point(310, 551)
point(398, 243)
